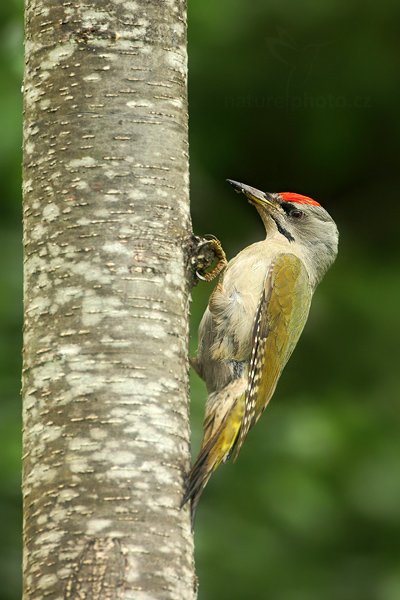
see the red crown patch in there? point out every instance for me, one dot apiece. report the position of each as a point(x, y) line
point(298, 198)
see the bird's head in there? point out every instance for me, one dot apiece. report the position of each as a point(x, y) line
point(299, 220)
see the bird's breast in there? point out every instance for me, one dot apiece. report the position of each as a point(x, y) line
point(234, 307)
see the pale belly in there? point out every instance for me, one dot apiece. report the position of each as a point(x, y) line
point(226, 330)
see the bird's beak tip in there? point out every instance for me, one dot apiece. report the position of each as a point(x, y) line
point(252, 194)
point(238, 186)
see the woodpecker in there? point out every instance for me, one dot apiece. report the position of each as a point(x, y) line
point(254, 319)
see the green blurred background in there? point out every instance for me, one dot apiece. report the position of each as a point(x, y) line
point(284, 96)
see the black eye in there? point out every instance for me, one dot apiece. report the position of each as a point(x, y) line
point(296, 214)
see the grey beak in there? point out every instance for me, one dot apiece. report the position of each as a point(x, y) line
point(252, 194)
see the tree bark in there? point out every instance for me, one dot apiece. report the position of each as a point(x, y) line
point(106, 218)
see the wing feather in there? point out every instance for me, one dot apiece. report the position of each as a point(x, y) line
point(280, 318)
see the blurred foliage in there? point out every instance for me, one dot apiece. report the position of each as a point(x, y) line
point(304, 97)
point(283, 96)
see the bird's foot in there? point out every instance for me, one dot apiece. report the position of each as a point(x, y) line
point(206, 251)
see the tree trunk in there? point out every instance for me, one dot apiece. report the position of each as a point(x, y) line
point(106, 217)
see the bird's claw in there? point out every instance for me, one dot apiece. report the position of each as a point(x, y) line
point(200, 276)
point(208, 250)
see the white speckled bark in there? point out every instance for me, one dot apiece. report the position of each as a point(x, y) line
point(106, 212)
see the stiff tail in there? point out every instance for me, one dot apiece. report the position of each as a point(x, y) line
point(200, 473)
point(216, 450)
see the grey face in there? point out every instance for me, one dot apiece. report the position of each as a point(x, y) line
point(313, 228)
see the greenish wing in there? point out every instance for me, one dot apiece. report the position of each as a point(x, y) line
point(280, 318)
